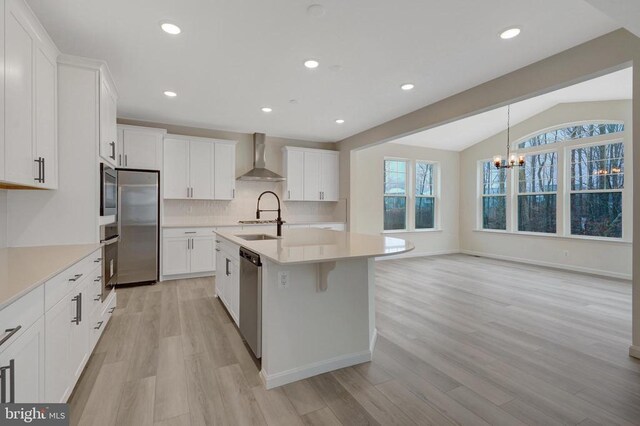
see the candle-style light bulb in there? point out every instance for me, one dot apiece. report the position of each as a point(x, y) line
point(497, 160)
point(521, 160)
point(512, 159)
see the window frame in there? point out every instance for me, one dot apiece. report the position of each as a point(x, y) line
point(563, 193)
point(407, 192)
point(410, 218)
point(482, 196)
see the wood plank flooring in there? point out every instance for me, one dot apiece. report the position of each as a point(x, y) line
point(461, 340)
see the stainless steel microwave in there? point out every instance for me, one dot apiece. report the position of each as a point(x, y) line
point(108, 191)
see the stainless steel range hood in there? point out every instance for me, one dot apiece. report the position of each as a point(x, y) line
point(259, 171)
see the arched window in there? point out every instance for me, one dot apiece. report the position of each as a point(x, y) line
point(579, 131)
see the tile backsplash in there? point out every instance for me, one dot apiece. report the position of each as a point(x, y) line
point(198, 212)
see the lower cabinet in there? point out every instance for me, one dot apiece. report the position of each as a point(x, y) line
point(228, 278)
point(22, 367)
point(188, 251)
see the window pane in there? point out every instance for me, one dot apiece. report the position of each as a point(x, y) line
point(494, 212)
point(597, 214)
point(598, 167)
point(424, 178)
point(395, 213)
point(395, 177)
point(494, 181)
point(574, 132)
point(425, 212)
point(537, 213)
point(539, 173)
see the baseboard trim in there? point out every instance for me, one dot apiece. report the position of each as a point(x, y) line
point(187, 276)
point(274, 380)
point(571, 268)
point(413, 253)
point(634, 351)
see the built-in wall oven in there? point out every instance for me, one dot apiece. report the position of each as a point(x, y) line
point(108, 191)
point(110, 238)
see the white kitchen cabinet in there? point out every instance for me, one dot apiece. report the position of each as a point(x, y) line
point(140, 147)
point(176, 256)
point(228, 277)
point(30, 103)
point(312, 174)
point(176, 169)
point(108, 125)
point(293, 163)
point(23, 364)
point(225, 171)
point(198, 168)
point(201, 174)
point(188, 251)
point(202, 254)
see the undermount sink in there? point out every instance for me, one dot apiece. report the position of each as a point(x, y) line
point(257, 237)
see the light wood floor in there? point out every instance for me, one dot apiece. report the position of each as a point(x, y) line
point(462, 340)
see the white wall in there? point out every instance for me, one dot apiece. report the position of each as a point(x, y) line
point(367, 174)
point(602, 257)
point(3, 219)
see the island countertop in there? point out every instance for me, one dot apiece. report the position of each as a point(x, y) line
point(24, 268)
point(319, 245)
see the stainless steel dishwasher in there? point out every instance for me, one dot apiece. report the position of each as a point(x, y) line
point(251, 300)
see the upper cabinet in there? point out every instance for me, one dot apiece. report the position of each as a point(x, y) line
point(108, 117)
point(312, 174)
point(198, 168)
point(140, 147)
point(28, 145)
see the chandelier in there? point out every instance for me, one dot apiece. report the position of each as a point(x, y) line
point(510, 161)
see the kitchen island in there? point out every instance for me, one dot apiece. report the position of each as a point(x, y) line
point(317, 298)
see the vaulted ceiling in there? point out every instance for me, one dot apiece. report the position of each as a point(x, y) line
point(234, 57)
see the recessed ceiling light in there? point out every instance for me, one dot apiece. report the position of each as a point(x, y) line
point(407, 86)
point(170, 28)
point(311, 63)
point(510, 33)
point(316, 10)
point(339, 121)
point(266, 109)
point(170, 94)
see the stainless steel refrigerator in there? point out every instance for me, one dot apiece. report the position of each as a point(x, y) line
point(138, 223)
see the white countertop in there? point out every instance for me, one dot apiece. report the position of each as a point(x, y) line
point(24, 268)
point(320, 245)
point(225, 225)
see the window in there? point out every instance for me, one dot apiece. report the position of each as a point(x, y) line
point(494, 197)
point(395, 195)
point(570, 133)
point(597, 181)
point(425, 195)
point(537, 187)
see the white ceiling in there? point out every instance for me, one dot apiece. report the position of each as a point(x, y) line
point(626, 12)
point(235, 56)
point(464, 133)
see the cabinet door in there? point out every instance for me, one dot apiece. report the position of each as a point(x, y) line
point(175, 259)
point(234, 290)
point(294, 172)
point(203, 253)
point(220, 274)
point(25, 362)
point(141, 150)
point(312, 161)
point(46, 129)
point(329, 177)
point(80, 336)
point(201, 169)
point(18, 80)
point(225, 171)
point(58, 327)
point(108, 125)
point(176, 168)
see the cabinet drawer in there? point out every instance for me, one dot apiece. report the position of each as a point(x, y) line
point(100, 319)
point(188, 232)
point(94, 290)
point(57, 287)
point(23, 312)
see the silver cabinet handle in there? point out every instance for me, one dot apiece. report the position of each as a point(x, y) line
point(99, 325)
point(119, 159)
point(44, 179)
point(113, 150)
point(112, 309)
point(218, 241)
point(98, 279)
point(289, 194)
point(12, 383)
point(75, 278)
point(233, 195)
point(78, 317)
point(190, 232)
point(227, 267)
point(8, 333)
point(126, 160)
point(98, 260)
point(98, 297)
point(217, 249)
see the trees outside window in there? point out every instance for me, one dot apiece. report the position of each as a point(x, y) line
point(494, 197)
point(597, 181)
point(395, 195)
point(537, 187)
point(425, 195)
